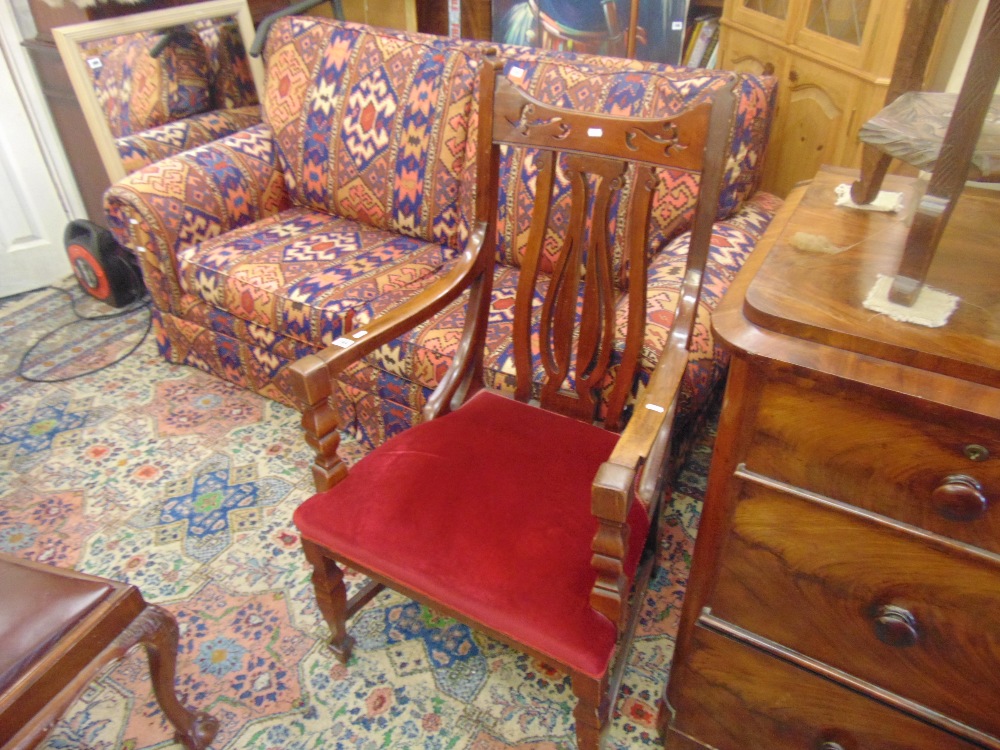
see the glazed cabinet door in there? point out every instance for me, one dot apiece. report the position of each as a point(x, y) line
point(860, 34)
point(773, 18)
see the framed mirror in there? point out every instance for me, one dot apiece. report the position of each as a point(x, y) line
point(157, 83)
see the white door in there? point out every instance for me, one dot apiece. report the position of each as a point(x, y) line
point(32, 217)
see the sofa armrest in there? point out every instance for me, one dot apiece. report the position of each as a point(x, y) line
point(141, 149)
point(194, 196)
point(312, 376)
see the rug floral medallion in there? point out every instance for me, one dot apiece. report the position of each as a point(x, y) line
point(183, 485)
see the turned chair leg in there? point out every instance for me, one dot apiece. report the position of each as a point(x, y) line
point(157, 631)
point(331, 596)
point(592, 711)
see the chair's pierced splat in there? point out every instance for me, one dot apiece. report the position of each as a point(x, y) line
point(606, 163)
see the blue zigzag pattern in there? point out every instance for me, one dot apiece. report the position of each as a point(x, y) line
point(417, 118)
point(319, 121)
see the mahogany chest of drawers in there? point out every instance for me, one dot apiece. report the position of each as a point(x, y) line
point(845, 588)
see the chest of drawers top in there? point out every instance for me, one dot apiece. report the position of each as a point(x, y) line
point(818, 296)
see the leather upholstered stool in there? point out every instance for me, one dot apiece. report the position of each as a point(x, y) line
point(58, 629)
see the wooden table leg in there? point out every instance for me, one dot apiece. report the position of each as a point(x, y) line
point(156, 629)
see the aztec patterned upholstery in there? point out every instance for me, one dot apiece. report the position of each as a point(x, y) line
point(306, 273)
point(138, 91)
point(197, 90)
point(230, 81)
point(274, 241)
point(149, 146)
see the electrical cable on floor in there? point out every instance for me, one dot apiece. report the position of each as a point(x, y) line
point(134, 307)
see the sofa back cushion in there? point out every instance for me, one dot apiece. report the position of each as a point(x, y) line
point(633, 88)
point(138, 91)
point(374, 125)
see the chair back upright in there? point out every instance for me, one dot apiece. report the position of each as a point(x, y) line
point(610, 166)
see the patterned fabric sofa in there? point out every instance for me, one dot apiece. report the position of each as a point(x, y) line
point(276, 241)
point(198, 89)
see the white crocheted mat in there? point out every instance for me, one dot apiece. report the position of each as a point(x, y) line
point(886, 200)
point(932, 308)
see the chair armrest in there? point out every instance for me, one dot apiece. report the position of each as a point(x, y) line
point(639, 464)
point(642, 451)
point(312, 376)
point(194, 196)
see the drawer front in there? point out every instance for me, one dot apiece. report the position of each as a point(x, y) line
point(731, 696)
point(910, 614)
point(903, 465)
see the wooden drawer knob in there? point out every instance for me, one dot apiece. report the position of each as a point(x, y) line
point(895, 626)
point(831, 746)
point(960, 497)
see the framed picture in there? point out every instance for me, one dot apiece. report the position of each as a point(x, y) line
point(645, 29)
point(80, 46)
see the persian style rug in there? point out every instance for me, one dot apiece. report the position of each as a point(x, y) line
point(184, 485)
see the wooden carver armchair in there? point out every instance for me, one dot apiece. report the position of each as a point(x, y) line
point(522, 517)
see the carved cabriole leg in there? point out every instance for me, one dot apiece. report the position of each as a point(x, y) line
point(312, 385)
point(591, 712)
point(156, 629)
point(331, 596)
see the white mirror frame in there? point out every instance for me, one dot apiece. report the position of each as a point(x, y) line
point(69, 38)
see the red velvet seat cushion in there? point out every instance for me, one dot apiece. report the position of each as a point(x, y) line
point(486, 511)
point(38, 608)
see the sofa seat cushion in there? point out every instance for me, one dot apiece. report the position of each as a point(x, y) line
point(149, 146)
point(307, 274)
point(420, 358)
point(463, 550)
point(383, 395)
